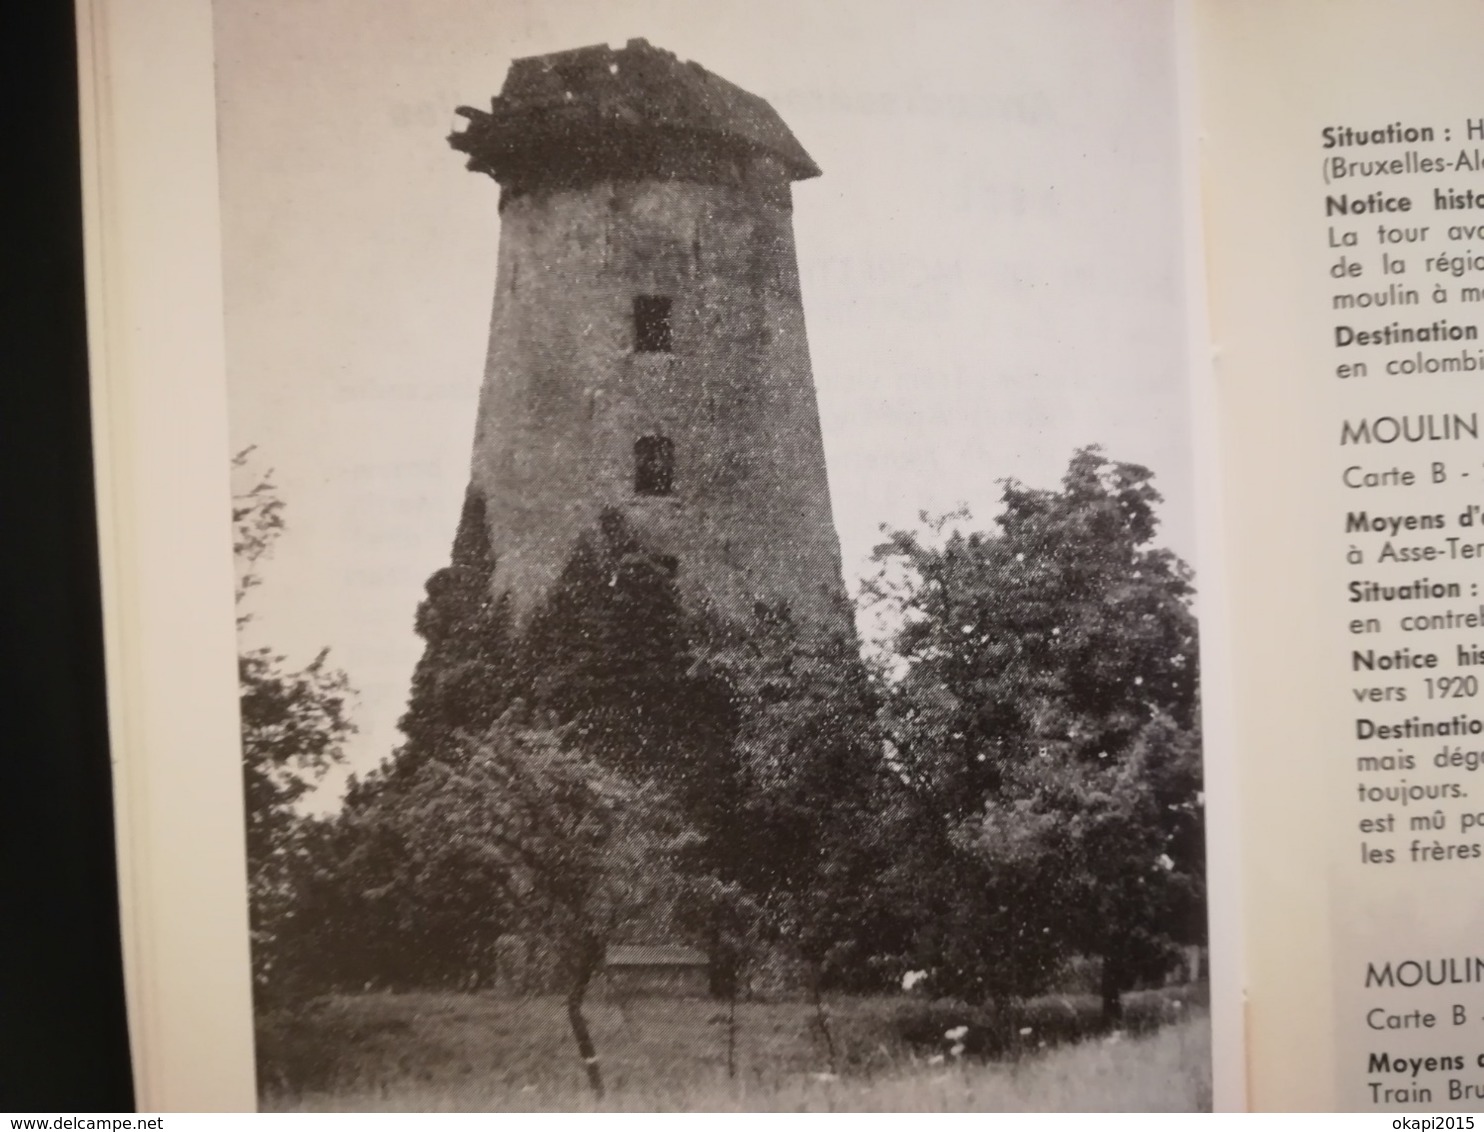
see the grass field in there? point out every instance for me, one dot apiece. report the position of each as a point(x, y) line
point(451, 1052)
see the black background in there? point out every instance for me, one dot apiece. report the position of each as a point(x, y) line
point(63, 1042)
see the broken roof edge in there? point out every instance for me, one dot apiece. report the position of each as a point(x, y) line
point(570, 97)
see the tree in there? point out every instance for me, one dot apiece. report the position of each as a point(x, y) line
point(611, 651)
point(814, 810)
point(467, 674)
point(613, 656)
point(1043, 680)
point(602, 659)
point(383, 902)
point(762, 733)
point(761, 737)
point(389, 906)
point(1120, 847)
point(580, 850)
point(294, 726)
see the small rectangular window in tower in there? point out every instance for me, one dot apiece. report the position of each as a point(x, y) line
point(652, 324)
point(654, 465)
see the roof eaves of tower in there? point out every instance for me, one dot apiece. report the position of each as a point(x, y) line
point(582, 94)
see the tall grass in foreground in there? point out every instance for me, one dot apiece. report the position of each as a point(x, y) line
point(1169, 1070)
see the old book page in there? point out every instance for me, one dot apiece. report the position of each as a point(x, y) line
point(1341, 154)
point(655, 564)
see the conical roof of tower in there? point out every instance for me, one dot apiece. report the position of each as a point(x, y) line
point(602, 109)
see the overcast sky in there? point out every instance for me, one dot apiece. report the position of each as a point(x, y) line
point(990, 265)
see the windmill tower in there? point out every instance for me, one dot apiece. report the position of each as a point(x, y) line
point(647, 351)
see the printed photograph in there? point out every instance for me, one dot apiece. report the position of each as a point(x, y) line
point(714, 518)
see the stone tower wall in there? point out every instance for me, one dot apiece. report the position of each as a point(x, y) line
point(566, 393)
